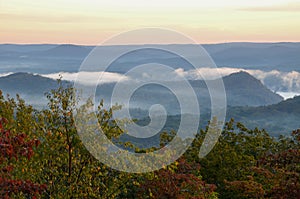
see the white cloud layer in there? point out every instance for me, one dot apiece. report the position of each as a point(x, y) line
point(88, 78)
point(275, 80)
point(286, 84)
point(5, 74)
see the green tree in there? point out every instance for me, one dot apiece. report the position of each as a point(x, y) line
point(236, 151)
point(276, 175)
point(63, 162)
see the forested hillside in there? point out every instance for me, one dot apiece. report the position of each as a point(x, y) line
point(41, 156)
point(278, 118)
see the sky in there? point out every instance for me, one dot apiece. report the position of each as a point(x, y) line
point(90, 22)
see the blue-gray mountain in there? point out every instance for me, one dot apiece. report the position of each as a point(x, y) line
point(46, 58)
point(241, 88)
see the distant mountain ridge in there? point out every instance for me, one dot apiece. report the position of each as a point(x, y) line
point(66, 50)
point(283, 56)
point(242, 90)
point(256, 54)
point(238, 91)
point(31, 87)
point(26, 83)
point(277, 119)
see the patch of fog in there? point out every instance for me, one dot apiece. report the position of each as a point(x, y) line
point(88, 78)
point(288, 95)
point(5, 74)
point(287, 83)
point(276, 80)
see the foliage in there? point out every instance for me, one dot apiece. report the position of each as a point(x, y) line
point(275, 175)
point(15, 148)
point(179, 180)
point(236, 151)
point(245, 163)
point(63, 161)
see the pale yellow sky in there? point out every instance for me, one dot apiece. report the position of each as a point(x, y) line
point(93, 21)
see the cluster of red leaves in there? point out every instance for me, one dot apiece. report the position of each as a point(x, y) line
point(178, 184)
point(9, 187)
point(275, 176)
point(14, 147)
point(246, 188)
point(284, 173)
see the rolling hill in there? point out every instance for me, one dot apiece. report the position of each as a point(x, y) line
point(277, 119)
point(243, 93)
point(266, 56)
point(30, 87)
point(65, 50)
point(26, 83)
point(241, 88)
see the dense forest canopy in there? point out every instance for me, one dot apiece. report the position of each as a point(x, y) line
point(42, 156)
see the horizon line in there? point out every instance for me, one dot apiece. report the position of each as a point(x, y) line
point(139, 44)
